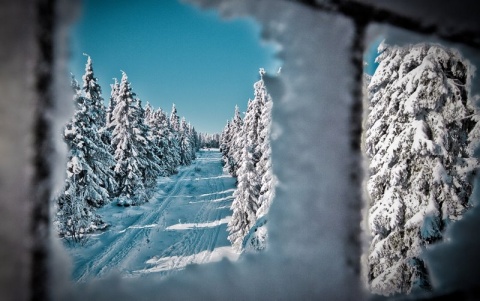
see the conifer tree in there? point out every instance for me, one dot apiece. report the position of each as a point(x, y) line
point(100, 160)
point(93, 95)
point(115, 88)
point(174, 119)
point(128, 150)
point(151, 165)
point(194, 146)
point(87, 179)
point(162, 131)
point(264, 165)
point(174, 141)
point(416, 140)
point(236, 143)
point(225, 141)
point(250, 139)
point(185, 143)
point(245, 204)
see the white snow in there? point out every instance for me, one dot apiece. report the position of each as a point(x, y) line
point(189, 226)
point(169, 229)
point(179, 262)
point(214, 200)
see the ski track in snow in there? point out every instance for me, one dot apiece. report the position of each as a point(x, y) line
point(195, 205)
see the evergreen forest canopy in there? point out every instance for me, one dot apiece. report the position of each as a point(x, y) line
point(117, 152)
point(246, 150)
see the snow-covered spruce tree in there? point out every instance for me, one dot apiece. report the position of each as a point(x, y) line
point(174, 141)
point(163, 133)
point(474, 135)
point(157, 140)
point(225, 141)
point(264, 165)
point(151, 163)
point(194, 141)
point(129, 140)
point(186, 144)
point(115, 88)
point(257, 239)
point(416, 140)
point(236, 143)
point(245, 204)
point(174, 119)
point(246, 196)
point(84, 187)
point(93, 94)
point(101, 161)
point(197, 140)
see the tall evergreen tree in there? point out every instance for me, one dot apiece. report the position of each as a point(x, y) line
point(174, 119)
point(236, 143)
point(151, 165)
point(225, 141)
point(245, 203)
point(93, 95)
point(194, 146)
point(250, 139)
point(87, 178)
point(264, 165)
point(164, 136)
point(174, 139)
point(115, 88)
point(127, 142)
point(185, 143)
point(101, 161)
point(416, 140)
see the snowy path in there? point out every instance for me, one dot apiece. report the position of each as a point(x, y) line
point(185, 223)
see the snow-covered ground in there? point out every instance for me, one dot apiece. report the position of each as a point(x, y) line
point(186, 222)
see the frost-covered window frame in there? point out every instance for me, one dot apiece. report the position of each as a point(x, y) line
point(331, 255)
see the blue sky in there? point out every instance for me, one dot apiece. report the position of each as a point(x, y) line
point(371, 54)
point(173, 53)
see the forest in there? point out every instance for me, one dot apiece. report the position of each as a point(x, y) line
point(421, 134)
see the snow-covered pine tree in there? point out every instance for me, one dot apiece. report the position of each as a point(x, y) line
point(236, 143)
point(128, 150)
point(185, 143)
point(151, 164)
point(115, 88)
point(416, 140)
point(195, 146)
point(257, 240)
point(93, 94)
point(197, 139)
point(264, 165)
point(246, 202)
point(174, 119)
point(87, 177)
point(157, 138)
point(164, 136)
point(225, 141)
point(474, 135)
point(148, 114)
point(174, 141)
point(93, 103)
